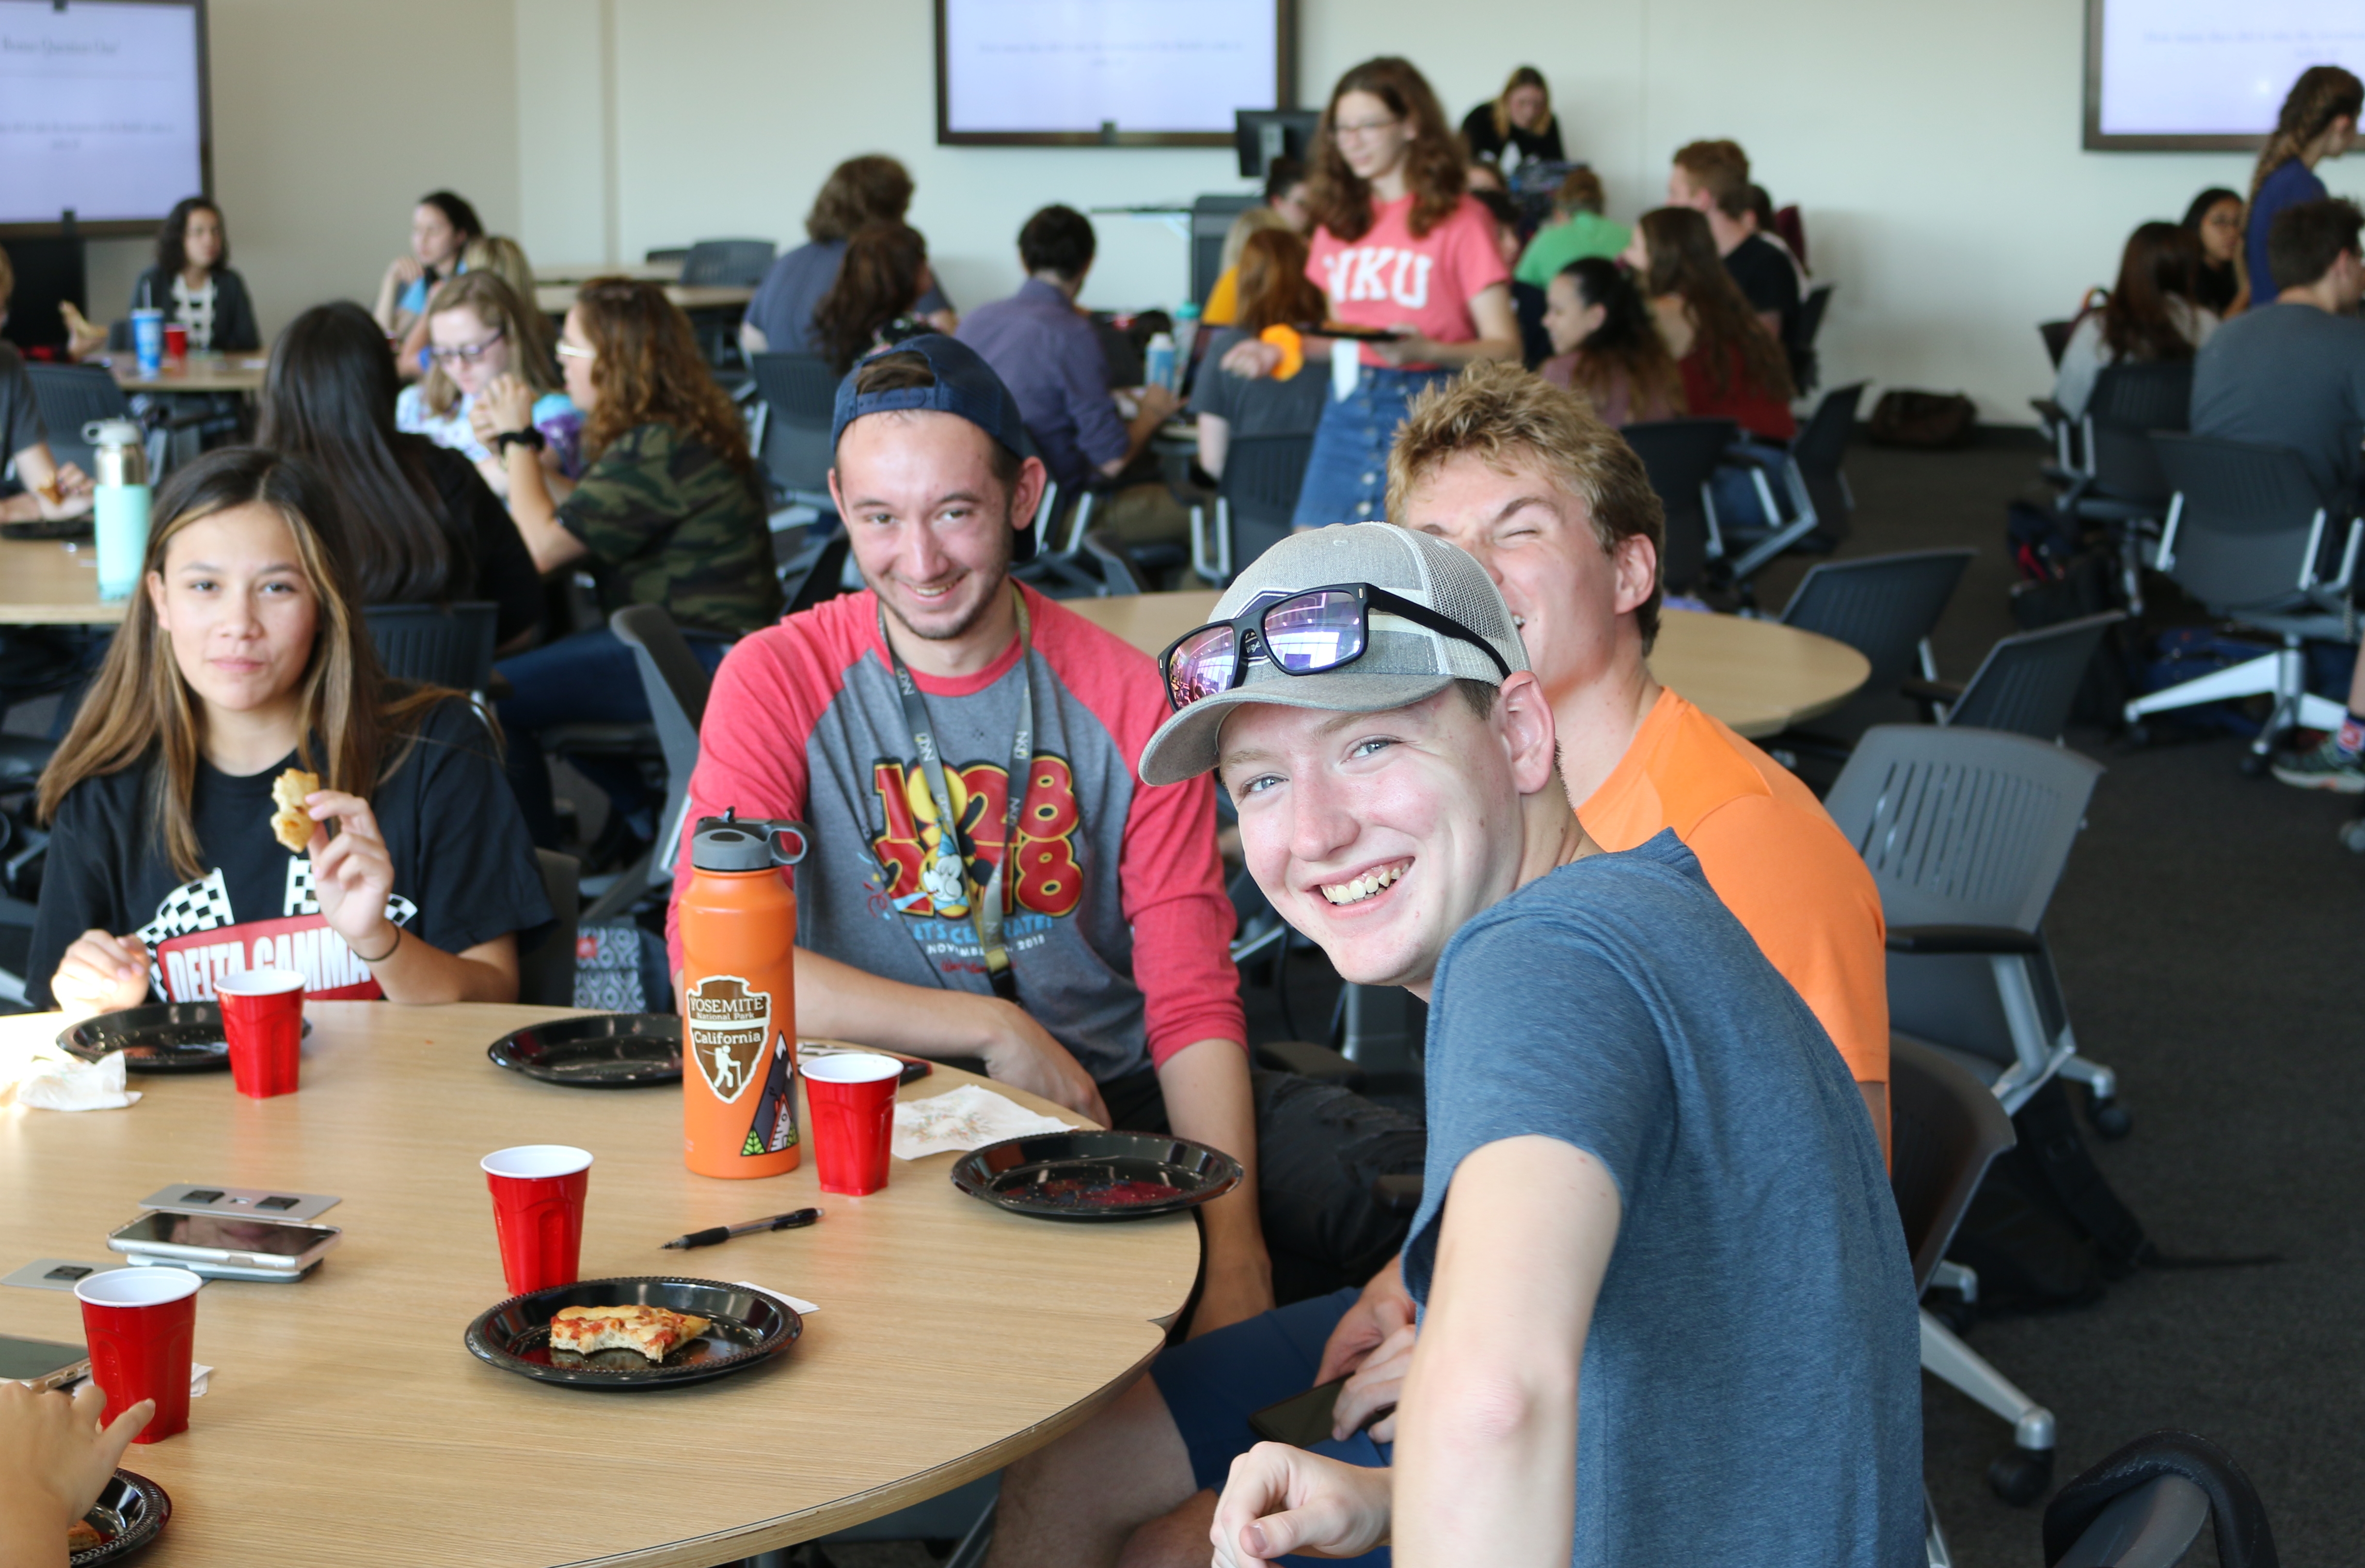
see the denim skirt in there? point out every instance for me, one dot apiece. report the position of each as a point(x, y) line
point(1347, 476)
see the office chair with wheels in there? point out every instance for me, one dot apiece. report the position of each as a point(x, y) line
point(1885, 607)
point(546, 970)
point(72, 396)
point(1120, 574)
point(2121, 486)
point(2248, 536)
point(2027, 683)
point(1965, 833)
point(1679, 455)
point(436, 645)
point(1810, 482)
point(1256, 495)
point(1945, 1130)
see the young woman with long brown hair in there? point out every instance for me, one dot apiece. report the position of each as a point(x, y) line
point(1731, 366)
point(2152, 313)
point(872, 188)
point(1273, 292)
point(1399, 247)
point(875, 299)
point(1606, 346)
point(2214, 222)
point(245, 656)
point(669, 511)
point(2318, 121)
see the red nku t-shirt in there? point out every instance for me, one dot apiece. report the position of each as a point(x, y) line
point(1390, 278)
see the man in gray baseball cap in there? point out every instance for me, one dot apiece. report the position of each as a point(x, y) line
point(1629, 1107)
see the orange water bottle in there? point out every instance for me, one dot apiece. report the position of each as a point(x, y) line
point(739, 999)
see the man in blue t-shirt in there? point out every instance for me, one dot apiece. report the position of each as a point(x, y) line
point(1666, 1312)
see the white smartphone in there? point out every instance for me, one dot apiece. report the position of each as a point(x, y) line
point(224, 1247)
point(39, 1364)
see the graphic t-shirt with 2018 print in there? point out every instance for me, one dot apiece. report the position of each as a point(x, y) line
point(464, 871)
point(1115, 918)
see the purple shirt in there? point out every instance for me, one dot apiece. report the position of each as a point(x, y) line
point(1044, 350)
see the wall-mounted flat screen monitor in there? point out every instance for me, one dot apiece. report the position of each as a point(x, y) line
point(102, 113)
point(1109, 72)
point(2179, 74)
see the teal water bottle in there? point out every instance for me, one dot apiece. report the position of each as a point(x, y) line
point(119, 505)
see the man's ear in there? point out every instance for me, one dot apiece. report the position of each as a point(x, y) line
point(1525, 722)
point(1636, 560)
point(836, 495)
point(1026, 494)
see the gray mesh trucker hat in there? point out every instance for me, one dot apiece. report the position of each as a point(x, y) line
point(1404, 664)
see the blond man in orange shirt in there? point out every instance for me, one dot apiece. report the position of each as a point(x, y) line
point(1558, 510)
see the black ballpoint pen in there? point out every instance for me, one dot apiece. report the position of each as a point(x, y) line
point(790, 1221)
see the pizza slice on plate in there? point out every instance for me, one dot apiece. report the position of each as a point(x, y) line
point(654, 1331)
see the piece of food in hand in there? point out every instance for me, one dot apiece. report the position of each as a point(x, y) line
point(654, 1331)
point(82, 1535)
point(1291, 347)
point(289, 823)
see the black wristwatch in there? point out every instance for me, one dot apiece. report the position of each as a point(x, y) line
point(526, 437)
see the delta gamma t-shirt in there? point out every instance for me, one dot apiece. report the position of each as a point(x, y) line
point(1751, 1386)
point(464, 871)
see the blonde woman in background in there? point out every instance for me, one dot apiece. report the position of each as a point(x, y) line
point(479, 331)
point(505, 257)
point(1518, 124)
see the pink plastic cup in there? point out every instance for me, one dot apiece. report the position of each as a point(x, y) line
point(141, 1325)
point(852, 1098)
point(263, 1019)
point(538, 1190)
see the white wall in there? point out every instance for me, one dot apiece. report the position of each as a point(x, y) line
point(330, 117)
point(1933, 150)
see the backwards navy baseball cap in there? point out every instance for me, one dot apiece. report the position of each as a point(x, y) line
point(965, 387)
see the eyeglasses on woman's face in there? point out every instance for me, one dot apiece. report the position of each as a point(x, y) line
point(1361, 129)
point(464, 353)
point(576, 351)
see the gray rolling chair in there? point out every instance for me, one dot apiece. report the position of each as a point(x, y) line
point(1965, 833)
point(1884, 607)
point(546, 970)
point(1120, 573)
point(1256, 495)
point(1945, 1130)
point(740, 263)
point(72, 396)
point(2027, 683)
point(1679, 455)
point(2248, 536)
point(2122, 488)
point(1812, 483)
point(800, 394)
point(438, 645)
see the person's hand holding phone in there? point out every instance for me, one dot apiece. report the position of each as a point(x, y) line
point(1371, 1347)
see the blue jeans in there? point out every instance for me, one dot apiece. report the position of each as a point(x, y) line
point(589, 679)
point(1346, 476)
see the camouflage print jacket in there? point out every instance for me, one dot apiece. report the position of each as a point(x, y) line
point(669, 522)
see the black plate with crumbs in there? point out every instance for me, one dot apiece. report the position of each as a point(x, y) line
point(170, 1037)
point(744, 1328)
point(603, 1050)
point(1089, 1174)
point(132, 1512)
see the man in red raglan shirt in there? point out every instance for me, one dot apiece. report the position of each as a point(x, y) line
point(1107, 983)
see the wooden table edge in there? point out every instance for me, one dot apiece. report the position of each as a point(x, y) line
point(811, 1524)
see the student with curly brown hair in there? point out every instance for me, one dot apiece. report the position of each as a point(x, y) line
point(873, 188)
point(668, 512)
point(876, 300)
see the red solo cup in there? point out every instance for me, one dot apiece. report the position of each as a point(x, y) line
point(538, 1213)
point(852, 1099)
point(176, 341)
point(263, 1019)
point(139, 1324)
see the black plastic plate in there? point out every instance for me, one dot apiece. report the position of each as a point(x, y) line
point(170, 1036)
point(132, 1512)
point(604, 1050)
point(1092, 1175)
point(745, 1329)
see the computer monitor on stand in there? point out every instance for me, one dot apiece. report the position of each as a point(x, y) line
point(1263, 135)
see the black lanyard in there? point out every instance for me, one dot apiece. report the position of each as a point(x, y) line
point(985, 903)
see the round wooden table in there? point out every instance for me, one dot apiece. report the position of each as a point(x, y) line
point(347, 1423)
point(1757, 676)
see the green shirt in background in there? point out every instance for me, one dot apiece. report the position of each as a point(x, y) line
point(667, 522)
point(1586, 234)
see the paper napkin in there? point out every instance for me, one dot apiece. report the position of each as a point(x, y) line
point(46, 1078)
point(969, 1117)
point(804, 1308)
